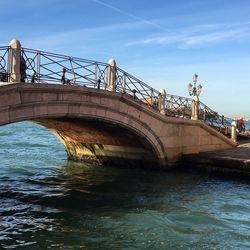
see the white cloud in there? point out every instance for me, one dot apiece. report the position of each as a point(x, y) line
point(134, 17)
point(79, 37)
point(198, 35)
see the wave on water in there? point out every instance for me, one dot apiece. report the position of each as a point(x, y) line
point(50, 202)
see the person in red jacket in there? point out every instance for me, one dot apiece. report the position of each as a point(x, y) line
point(241, 125)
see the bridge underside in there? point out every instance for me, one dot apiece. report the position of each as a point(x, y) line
point(99, 142)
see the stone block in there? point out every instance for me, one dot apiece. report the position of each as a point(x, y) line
point(74, 109)
point(162, 131)
point(87, 110)
point(4, 116)
point(58, 109)
point(107, 102)
point(101, 112)
point(123, 108)
point(205, 139)
point(158, 127)
point(21, 113)
point(112, 115)
point(85, 98)
point(133, 124)
point(172, 130)
point(49, 97)
point(173, 142)
point(28, 97)
point(4, 100)
point(216, 140)
point(40, 110)
point(186, 130)
point(151, 122)
point(71, 97)
point(10, 99)
point(95, 99)
point(134, 112)
point(188, 141)
point(124, 119)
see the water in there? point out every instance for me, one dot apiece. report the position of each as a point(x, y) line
point(50, 203)
point(247, 125)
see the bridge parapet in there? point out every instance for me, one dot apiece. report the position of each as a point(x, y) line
point(43, 67)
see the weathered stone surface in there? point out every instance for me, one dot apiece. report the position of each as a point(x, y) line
point(40, 110)
point(99, 141)
point(16, 114)
point(4, 117)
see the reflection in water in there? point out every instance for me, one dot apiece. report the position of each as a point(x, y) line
point(50, 203)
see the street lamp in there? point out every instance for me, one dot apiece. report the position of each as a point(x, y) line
point(192, 89)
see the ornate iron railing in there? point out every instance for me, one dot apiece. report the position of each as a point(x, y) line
point(4, 65)
point(54, 68)
point(43, 67)
point(212, 118)
point(178, 106)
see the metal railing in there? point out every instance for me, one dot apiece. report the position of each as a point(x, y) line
point(4, 65)
point(178, 106)
point(43, 67)
point(213, 119)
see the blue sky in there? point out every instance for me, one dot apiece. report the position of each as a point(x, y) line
point(161, 42)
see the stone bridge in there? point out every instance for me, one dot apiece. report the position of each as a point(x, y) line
point(107, 127)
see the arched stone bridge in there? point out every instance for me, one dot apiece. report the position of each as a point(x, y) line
point(107, 127)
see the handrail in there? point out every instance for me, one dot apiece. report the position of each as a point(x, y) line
point(45, 67)
point(4, 65)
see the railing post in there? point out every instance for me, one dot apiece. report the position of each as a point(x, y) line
point(195, 108)
point(124, 82)
point(96, 76)
point(15, 61)
point(111, 75)
point(226, 130)
point(233, 131)
point(152, 96)
point(162, 101)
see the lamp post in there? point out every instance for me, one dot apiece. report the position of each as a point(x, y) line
point(194, 91)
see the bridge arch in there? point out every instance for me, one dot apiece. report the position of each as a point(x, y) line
point(93, 125)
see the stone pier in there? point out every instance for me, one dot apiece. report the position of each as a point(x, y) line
point(232, 161)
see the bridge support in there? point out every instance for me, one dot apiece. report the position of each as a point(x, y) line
point(111, 75)
point(195, 108)
point(15, 61)
point(162, 101)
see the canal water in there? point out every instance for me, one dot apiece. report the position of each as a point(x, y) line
point(48, 202)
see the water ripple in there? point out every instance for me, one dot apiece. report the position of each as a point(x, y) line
point(48, 202)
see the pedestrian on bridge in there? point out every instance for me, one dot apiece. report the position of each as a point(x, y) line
point(23, 68)
point(241, 125)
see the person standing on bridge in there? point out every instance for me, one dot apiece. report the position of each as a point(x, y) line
point(23, 68)
point(241, 125)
